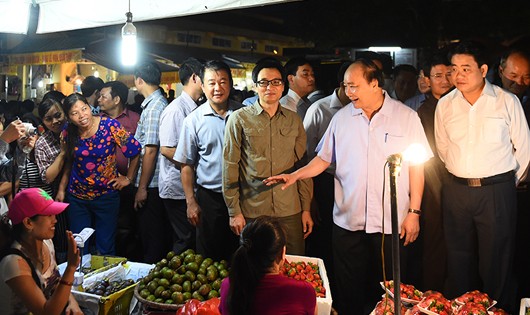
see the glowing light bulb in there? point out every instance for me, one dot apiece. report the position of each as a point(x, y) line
point(128, 43)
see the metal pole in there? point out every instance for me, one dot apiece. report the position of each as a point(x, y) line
point(395, 166)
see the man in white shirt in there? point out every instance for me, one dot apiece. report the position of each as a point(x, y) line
point(382, 126)
point(169, 185)
point(483, 138)
point(316, 122)
point(301, 82)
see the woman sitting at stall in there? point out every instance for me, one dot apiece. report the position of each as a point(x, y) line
point(90, 181)
point(255, 285)
point(29, 277)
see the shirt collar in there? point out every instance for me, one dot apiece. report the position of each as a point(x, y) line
point(257, 109)
point(208, 110)
point(296, 98)
point(335, 101)
point(187, 98)
point(148, 99)
point(486, 90)
point(124, 113)
point(385, 110)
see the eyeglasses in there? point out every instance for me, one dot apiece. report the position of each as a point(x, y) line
point(274, 82)
point(439, 76)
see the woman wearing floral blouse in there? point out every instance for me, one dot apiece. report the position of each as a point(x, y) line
point(91, 181)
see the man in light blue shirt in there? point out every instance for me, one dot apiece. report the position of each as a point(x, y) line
point(169, 184)
point(359, 140)
point(200, 152)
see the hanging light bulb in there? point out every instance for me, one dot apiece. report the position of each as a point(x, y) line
point(128, 43)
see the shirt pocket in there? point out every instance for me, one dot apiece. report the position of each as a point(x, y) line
point(257, 142)
point(494, 130)
point(288, 138)
point(394, 143)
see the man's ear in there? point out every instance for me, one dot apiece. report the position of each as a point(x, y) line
point(500, 70)
point(484, 70)
point(290, 79)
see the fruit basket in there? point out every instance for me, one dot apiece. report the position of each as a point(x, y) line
point(178, 278)
point(155, 305)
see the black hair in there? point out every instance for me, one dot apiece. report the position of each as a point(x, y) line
point(46, 105)
point(371, 71)
point(119, 89)
point(216, 65)
point(149, 72)
point(261, 244)
point(404, 68)
point(26, 106)
point(471, 48)
point(9, 233)
point(72, 130)
point(292, 65)
point(267, 63)
point(55, 95)
point(189, 67)
point(433, 61)
point(90, 85)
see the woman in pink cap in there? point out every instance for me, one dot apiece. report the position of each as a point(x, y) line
point(29, 277)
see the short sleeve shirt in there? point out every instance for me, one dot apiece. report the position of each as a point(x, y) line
point(171, 121)
point(360, 148)
point(94, 162)
point(147, 131)
point(201, 144)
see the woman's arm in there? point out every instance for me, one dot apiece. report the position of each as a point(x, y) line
point(33, 297)
point(61, 191)
point(57, 166)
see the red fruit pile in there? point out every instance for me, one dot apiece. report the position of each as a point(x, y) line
point(306, 272)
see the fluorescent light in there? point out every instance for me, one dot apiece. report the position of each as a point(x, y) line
point(14, 16)
point(382, 48)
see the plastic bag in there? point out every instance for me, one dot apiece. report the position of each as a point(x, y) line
point(194, 307)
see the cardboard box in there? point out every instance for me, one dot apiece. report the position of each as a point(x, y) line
point(525, 303)
point(118, 303)
point(324, 304)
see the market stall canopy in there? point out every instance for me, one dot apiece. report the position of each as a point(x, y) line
point(65, 15)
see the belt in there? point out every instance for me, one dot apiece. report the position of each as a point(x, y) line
point(478, 182)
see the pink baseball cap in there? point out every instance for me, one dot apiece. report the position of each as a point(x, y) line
point(31, 202)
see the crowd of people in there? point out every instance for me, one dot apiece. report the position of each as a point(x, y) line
point(294, 169)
